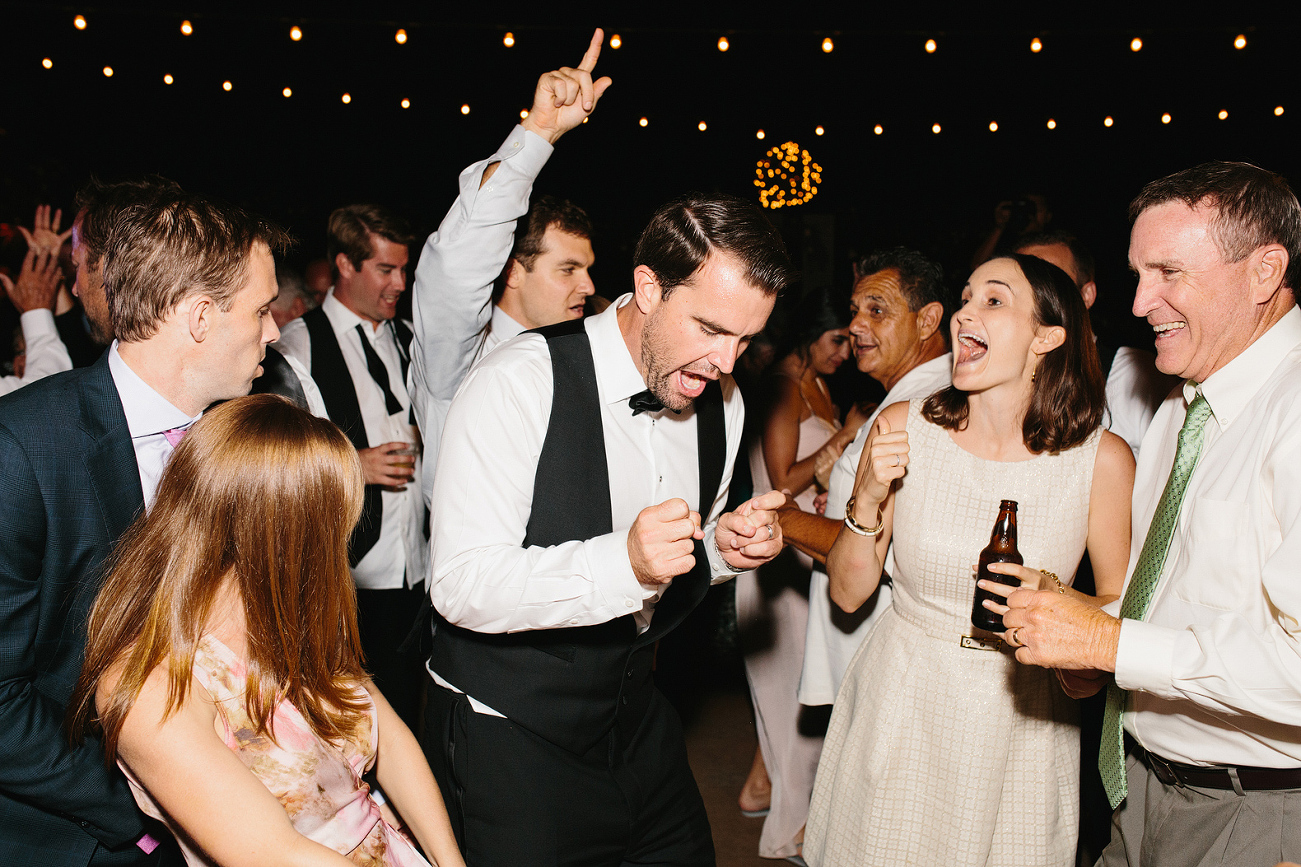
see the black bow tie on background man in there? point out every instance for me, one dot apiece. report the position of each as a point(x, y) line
point(644, 401)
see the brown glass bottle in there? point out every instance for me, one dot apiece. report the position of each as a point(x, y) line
point(1001, 549)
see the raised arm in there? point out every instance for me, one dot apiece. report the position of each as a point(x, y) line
point(452, 297)
point(33, 295)
point(855, 561)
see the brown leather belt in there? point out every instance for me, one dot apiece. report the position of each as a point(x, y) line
point(1249, 779)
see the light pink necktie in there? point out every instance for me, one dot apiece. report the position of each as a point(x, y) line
point(174, 435)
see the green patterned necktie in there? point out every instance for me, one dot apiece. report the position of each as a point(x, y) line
point(1111, 756)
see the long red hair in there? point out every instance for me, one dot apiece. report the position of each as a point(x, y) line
point(265, 495)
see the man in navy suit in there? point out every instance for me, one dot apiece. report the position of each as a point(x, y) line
point(189, 286)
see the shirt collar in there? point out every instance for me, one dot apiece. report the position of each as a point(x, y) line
point(617, 375)
point(342, 319)
point(926, 370)
point(503, 325)
point(1229, 389)
point(147, 412)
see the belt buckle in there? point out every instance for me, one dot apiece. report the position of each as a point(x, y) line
point(971, 642)
point(1164, 772)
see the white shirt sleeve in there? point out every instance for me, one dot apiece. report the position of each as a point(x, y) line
point(46, 353)
point(1135, 389)
point(482, 577)
point(452, 296)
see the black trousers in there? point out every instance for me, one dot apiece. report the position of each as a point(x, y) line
point(385, 618)
point(517, 800)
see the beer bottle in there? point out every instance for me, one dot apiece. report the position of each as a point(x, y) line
point(1001, 549)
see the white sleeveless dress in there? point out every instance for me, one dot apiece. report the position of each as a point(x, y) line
point(937, 753)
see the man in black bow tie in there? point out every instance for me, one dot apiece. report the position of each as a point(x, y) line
point(576, 520)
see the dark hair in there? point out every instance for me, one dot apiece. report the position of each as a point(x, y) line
point(241, 501)
point(1254, 207)
point(171, 246)
point(1068, 396)
point(819, 311)
point(350, 230)
point(1084, 263)
point(921, 280)
point(98, 205)
point(544, 212)
point(683, 233)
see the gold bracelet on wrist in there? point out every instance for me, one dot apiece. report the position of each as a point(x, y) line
point(1061, 588)
point(858, 528)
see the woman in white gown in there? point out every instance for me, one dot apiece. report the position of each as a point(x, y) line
point(802, 438)
point(942, 749)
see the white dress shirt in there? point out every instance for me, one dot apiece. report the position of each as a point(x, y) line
point(1214, 668)
point(45, 352)
point(398, 557)
point(483, 579)
point(452, 297)
point(148, 415)
point(1135, 388)
point(828, 647)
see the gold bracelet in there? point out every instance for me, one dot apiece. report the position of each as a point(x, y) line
point(858, 528)
point(1061, 588)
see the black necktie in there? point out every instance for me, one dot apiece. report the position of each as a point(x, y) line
point(378, 372)
point(644, 401)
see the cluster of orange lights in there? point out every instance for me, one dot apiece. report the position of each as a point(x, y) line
point(787, 176)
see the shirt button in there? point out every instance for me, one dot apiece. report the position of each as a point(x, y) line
point(574, 622)
point(629, 603)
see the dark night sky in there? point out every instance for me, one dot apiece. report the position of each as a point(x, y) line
point(295, 159)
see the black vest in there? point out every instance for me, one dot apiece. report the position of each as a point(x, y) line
point(340, 396)
point(571, 686)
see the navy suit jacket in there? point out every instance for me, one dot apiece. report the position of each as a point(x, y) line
point(69, 487)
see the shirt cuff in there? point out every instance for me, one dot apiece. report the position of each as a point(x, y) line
point(608, 556)
point(38, 323)
point(527, 152)
point(1145, 658)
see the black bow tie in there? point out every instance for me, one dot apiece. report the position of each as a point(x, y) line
point(644, 401)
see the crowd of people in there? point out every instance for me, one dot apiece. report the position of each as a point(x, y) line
point(286, 578)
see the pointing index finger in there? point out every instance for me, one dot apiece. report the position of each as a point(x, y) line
point(593, 51)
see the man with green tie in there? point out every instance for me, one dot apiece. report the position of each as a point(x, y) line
point(1201, 742)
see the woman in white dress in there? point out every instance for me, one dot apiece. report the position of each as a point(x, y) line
point(942, 749)
point(802, 438)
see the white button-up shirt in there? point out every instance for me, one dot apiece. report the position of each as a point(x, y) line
point(1214, 669)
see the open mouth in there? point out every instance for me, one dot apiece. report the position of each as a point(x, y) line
point(692, 384)
point(970, 347)
point(1165, 328)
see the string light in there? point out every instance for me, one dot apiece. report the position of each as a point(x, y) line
point(1165, 118)
point(931, 46)
point(1107, 121)
point(295, 33)
point(508, 40)
point(1052, 124)
point(723, 44)
point(400, 37)
point(827, 45)
point(465, 109)
point(787, 176)
point(993, 126)
point(702, 126)
point(346, 98)
point(1036, 45)
point(108, 72)
point(1278, 111)
point(759, 135)
point(615, 41)
point(1136, 44)
point(878, 129)
point(226, 86)
point(1224, 115)
point(187, 28)
point(1241, 42)
point(47, 63)
point(818, 130)
point(524, 112)
point(167, 79)
point(287, 92)
point(935, 128)
point(79, 22)
point(643, 122)
point(406, 103)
